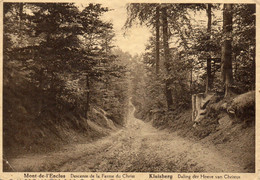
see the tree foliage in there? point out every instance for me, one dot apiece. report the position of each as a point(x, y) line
point(194, 41)
point(59, 64)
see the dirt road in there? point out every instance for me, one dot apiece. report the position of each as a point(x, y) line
point(137, 147)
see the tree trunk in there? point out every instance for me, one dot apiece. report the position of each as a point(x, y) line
point(88, 95)
point(20, 23)
point(168, 91)
point(157, 46)
point(191, 90)
point(209, 77)
point(41, 91)
point(226, 65)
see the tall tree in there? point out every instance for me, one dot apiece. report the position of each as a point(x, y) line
point(226, 66)
point(157, 47)
point(166, 48)
point(243, 46)
point(150, 15)
point(209, 80)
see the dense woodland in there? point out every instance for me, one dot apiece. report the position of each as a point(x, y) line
point(61, 68)
point(195, 48)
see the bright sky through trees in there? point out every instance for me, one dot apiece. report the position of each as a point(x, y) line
point(132, 40)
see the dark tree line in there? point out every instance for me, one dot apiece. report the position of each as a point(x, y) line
point(58, 66)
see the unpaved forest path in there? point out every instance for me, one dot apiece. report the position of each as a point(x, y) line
point(137, 147)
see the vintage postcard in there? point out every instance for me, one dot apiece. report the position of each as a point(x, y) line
point(129, 89)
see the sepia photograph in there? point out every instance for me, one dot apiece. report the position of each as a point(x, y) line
point(128, 87)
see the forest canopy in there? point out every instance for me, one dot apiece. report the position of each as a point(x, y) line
point(59, 70)
point(62, 69)
point(195, 48)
